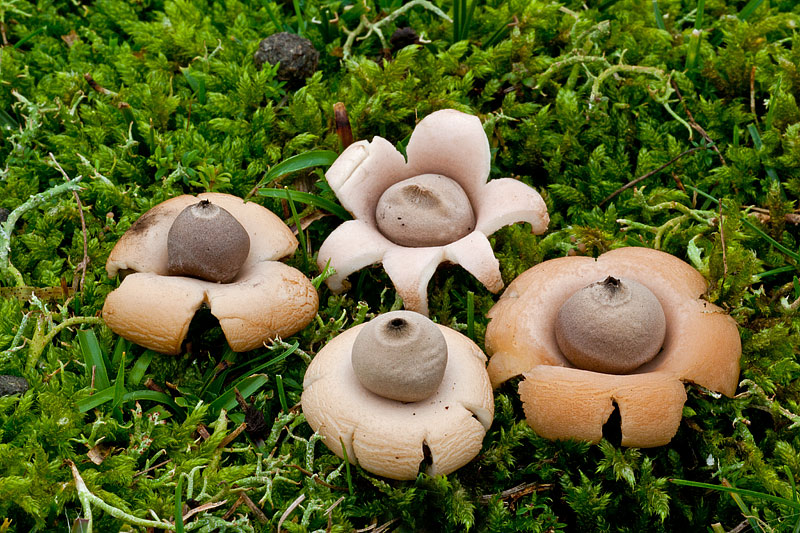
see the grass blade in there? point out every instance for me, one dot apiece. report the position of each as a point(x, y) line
point(748, 9)
point(659, 17)
point(281, 393)
point(155, 396)
point(749, 224)
point(119, 384)
point(309, 199)
point(310, 159)
point(140, 367)
point(120, 349)
point(277, 359)
point(96, 399)
point(759, 144)
point(740, 492)
point(30, 36)
point(471, 315)
point(248, 387)
point(94, 358)
point(179, 505)
point(301, 236)
point(347, 467)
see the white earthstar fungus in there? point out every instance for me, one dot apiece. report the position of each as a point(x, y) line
point(265, 299)
point(701, 345)
point(392, 438)
point(436, 207)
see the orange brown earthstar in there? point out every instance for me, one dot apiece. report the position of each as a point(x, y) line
point(701, 345)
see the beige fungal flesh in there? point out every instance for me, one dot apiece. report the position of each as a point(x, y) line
point(426, 210)
point(400, 355)
point(613, 326)
point(387, 437)
point(205, 241)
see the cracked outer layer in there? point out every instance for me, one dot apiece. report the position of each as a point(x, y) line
point(387, 437)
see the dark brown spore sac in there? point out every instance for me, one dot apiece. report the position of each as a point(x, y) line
point(297, 57)
point(12, 385)
point(403, 37)
point(207, 242)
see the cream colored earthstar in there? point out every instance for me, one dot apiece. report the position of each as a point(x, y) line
point(436, 207)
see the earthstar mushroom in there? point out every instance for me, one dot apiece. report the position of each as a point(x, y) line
point(701, 345)
point(392, 438)
point(264, 300)
point(436, 194)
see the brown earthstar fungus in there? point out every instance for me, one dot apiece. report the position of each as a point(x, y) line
point(438, 429)
point(569, 396)
point(438, 206)
point(264, 299)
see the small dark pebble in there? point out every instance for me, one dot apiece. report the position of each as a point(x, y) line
point(297, 56)
point(4, 214)
point(12, 385)
point(403, 37)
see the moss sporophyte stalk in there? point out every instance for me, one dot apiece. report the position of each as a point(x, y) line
point(578, 134)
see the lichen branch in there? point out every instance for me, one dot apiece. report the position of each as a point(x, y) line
point(88, 499)
point(7, 227)
point(375, 27)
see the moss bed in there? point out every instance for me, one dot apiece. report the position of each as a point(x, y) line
point(695, 102)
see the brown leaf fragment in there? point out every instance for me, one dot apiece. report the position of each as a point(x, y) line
point(98, 453)
point(70, 38)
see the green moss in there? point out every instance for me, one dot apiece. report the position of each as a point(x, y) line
point(147, 100)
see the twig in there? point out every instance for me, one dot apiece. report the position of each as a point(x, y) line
point(96, 86)
point(288, 511)
point(229, 513)
point(152, 467)
point(329, 513)
point(699, 129)
point(253, 507)
point(648, 174)
point(517, 492)
point(722, 241)
point(235, 433)
point(76, 286)
point(753, 92)
point(203, 508)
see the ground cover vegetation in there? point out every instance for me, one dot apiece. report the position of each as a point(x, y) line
point(109, 107)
